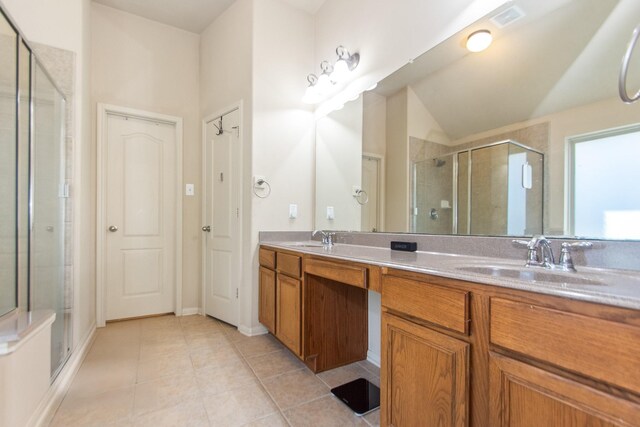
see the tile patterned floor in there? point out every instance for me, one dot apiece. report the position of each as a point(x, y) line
point(197, 371)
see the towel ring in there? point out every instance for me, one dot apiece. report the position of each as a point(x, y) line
point(359, 200)
point(258, 186)
point(622, 80)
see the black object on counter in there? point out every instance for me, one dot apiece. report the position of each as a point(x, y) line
point(404, 246)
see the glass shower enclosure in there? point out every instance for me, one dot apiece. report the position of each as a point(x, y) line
point(494, 189)
point(34, 237)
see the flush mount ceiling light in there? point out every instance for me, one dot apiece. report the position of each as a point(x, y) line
point(479, 40)
point(344, 65)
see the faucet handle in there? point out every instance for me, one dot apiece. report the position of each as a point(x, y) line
point(521, 242)
point(577, 245)
point(566, 262)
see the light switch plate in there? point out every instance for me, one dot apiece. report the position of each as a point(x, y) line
point(190, 190)
point(293, 211)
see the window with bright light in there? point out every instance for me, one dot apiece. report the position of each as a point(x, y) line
point(606, 184)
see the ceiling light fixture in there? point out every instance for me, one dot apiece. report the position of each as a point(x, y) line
point(479, 40)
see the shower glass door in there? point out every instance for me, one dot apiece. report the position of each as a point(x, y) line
point(48, 200)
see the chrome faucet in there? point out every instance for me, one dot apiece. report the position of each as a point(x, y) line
point(327, 237)
point(540, 254)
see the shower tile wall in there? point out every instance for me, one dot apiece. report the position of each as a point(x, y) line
point(536, 137)
point(434, 184)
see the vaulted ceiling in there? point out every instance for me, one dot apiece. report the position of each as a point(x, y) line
point(190, 15)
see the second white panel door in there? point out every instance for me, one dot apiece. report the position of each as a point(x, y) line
point(222, 217)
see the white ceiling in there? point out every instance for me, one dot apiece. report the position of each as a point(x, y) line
point(190, 15)
point(534, 68)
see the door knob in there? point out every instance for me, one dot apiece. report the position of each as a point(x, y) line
point(206, 228)
point(113, 228)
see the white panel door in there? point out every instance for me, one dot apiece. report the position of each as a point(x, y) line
point(222, 217)
point(140, 217)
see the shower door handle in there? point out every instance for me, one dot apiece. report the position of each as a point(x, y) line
point(113, 228)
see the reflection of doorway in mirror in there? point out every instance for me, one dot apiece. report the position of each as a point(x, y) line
point(371, 211)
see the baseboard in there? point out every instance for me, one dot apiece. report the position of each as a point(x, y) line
point(252, 332)
point(191, 311)
point(373, 358)
point(51, 401)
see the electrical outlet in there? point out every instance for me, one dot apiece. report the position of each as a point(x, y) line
point(330, 213)
point(293, 211)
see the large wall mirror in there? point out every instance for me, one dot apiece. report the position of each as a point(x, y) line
point(526, 137)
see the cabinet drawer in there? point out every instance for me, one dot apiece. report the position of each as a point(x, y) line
point(343, 273)
point(288, 264)
point(267, 258)
point(601, 349)
point(445, 307)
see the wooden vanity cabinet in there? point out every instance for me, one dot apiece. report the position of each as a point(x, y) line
point(289, 312)
point(424, 376)
point(267, 289)
point(280, 296)
point(267, 295)
point(317, 307)
point(569, 367)
point(425, 370)
point(457, 353)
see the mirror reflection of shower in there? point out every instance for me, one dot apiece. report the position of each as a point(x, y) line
point(493, 189)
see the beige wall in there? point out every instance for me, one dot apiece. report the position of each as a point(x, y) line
point(338, 167)
point(283, 127)
point(397, 183)
point(142, 64)
point(374, 124)
point(66, 25)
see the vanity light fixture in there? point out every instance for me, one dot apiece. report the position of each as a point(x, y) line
point(479, 40)
point(324, 82)
point(311, 95)
point(344, 65)
point(321, 86)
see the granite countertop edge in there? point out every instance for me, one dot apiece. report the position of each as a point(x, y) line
point(625, 294)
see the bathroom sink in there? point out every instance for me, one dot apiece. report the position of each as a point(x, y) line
point(531, 274)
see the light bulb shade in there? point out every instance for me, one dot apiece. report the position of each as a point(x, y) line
point(311, 95)
point(340, 71)
point(324, 84)
point(479, 40)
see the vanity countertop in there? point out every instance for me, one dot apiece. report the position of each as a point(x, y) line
point(619, 288)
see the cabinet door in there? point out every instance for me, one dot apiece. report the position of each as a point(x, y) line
point(267, 308)
point(525, 396)
point(288, 312)
point(424, 376)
